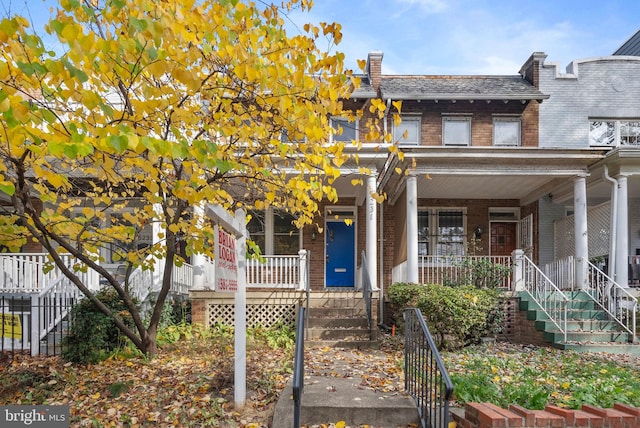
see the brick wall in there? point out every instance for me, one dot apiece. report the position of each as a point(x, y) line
point(486, 415)
point(517, 328)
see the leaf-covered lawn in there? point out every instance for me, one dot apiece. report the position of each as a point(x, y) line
point(533, 377)
point(188, 384)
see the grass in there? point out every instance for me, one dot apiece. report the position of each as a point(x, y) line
point(534, 377)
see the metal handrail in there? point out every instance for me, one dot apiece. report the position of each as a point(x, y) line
point(298, 369)
point(550, 299)
point(367, 294)
point(617, 302)
point(426, 378)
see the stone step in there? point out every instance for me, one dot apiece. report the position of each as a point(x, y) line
point(579, 325)
point(357, 322)
point(332, 399)
point(572, 314)
point(587, 336)
point(608, 347)
point(337, 312)
point(346, 344)
point(342, 334)
point(336, 303)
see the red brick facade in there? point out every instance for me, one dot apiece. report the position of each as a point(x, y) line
point(486, 415)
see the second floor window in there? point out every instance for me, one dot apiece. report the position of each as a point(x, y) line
point(345, 131)
point(456, 131)
point(506, 131)
point(408, 131)
point(613, 133)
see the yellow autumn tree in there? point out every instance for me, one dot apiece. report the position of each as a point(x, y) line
point(152, 108)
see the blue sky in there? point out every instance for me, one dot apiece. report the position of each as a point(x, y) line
point(457, 36)
point(477, 36)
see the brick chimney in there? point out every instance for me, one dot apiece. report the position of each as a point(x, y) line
point(374, 69)
point(531, 68)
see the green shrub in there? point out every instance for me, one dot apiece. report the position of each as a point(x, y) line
point(456, 316)
point(92, 335)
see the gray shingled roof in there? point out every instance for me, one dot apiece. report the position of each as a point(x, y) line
point(459, 88)
point(365, 90)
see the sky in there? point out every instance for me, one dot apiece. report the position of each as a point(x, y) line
point(455, 37)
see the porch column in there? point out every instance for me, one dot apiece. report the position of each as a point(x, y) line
point(412, 229)
point(371, 245)
point(158, 264)
point(581, 234)
point(622, 233)
point(198, 261)
point(518, 270)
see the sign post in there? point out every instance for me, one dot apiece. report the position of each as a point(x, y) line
point(231, 275)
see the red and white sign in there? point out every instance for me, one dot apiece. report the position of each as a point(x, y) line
point(226, 261)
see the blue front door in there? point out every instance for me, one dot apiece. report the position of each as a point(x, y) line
point(340, 254)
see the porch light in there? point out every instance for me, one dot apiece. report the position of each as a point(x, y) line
point(478, 232)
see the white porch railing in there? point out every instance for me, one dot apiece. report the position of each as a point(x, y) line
point(274, 272)
point(25, 273)
point(562, 272)
point(142, 282)
point(551, 300)
point(50, 307)
point(465, 269)
point(617, 302)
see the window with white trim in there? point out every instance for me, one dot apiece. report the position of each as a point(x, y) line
point(613, 133)
point(506, 131)
point(274, 232)
point(456, 131)
point(344, 130)
point(441, 232)
point(408, 131)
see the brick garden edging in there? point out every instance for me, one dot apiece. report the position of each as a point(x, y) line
point(487, 415)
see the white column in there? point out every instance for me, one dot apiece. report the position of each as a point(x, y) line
point(372, 241)
point(198, 261)
point(518, 270)
point(412, 229)
point(268, 232)
point(622, 234)
point(158, 231)
point(581, 234)
point(303, 279)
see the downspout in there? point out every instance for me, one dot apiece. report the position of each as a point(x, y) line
point(614, 222)
point(381, 266)
point(381, 235)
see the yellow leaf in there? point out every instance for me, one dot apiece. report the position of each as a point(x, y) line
point(95, 396)
point(362, 64)
point(341, 424)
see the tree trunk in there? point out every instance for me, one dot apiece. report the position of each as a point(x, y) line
point(149, 345)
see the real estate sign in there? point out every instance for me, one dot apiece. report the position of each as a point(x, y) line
point(226, 262)
point(11, 326)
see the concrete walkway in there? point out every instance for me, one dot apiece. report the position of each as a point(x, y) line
point(355, 386)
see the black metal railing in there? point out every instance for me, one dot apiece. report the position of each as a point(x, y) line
point(426, 378)
point(298, 369)
point(32, 324)
point(367, 294)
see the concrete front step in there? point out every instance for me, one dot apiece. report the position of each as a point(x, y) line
point(359, 322)
point(572, 314)
point(347, 344)
point(578, 325)
point(337, 312)
point(587, 336)
point(331, 399)
point(340, 334)
point(608, 347)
